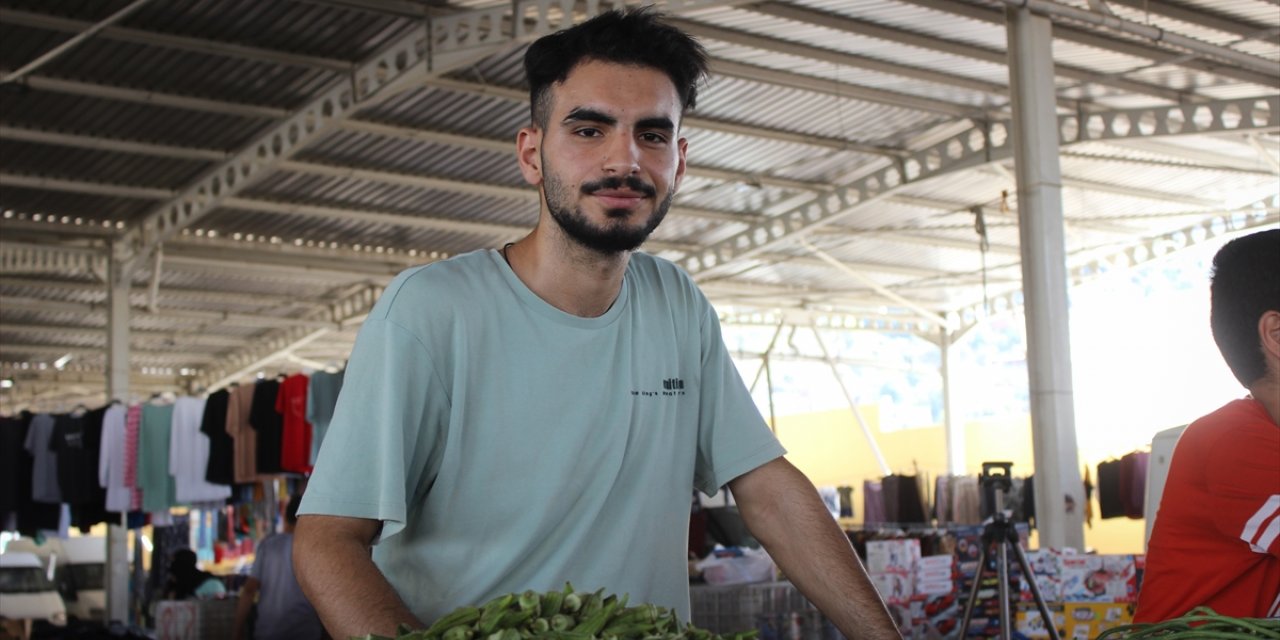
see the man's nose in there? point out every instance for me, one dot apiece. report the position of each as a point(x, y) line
point(621, 156)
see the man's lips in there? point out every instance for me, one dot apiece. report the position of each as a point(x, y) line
point(619, 199)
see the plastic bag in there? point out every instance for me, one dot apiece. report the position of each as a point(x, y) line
point(736, 565)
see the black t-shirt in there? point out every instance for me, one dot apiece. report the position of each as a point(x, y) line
point(221, 468)
point(68, 442)
point(16, 466)
point(269, 425)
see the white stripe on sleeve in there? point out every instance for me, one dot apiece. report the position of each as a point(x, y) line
point(1258, 537)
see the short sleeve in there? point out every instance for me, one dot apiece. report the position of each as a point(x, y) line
point(1244, 478)
point(383, 446)
point(732, 436)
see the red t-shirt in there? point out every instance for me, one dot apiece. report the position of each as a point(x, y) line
point(1216, 540)
point(295, 440)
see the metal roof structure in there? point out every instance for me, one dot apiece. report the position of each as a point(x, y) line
point(262, 169)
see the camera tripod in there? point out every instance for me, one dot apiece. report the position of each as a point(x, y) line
point(999, 534)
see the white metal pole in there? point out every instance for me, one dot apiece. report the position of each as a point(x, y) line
point(118, 287)
point(1058, 488)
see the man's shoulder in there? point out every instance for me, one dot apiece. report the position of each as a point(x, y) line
point(1238, 415)
point(650, 272)
point(433, 285)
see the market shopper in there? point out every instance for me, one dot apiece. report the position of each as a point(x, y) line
point(283, 612)
point(1216, 539)
point(516, 419)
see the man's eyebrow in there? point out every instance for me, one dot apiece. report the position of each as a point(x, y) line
point(590, 115)
point(660, 123)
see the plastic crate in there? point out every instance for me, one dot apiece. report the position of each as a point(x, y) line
point(776, 609)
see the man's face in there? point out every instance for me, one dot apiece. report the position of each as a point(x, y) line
point(608, 160)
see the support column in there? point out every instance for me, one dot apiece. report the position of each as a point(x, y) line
point(954, 433)
point(1058, 489)
point(118, 285)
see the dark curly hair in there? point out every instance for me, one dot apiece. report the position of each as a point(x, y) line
point(635, 37)
point(1245, 285)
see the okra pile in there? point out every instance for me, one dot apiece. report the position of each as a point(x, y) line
point(559, 615)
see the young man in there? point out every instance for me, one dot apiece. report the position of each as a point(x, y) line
point(1216, 540)
point(283, 611)
point(516, 419)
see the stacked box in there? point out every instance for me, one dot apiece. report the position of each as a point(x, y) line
point(936, 616)
point(1046, 565)
point(934, 575)
point(891, 565)
point(1099, 578)
point(1029, 622)
point(1085, 620)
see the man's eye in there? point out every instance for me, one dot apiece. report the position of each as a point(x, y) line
point(655, 138)
point(587, 132)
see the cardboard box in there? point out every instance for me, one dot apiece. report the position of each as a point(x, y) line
point(1030, 623)
point(1085, 620)
point(893, 587)
point(1099, 578)
point(893, 556)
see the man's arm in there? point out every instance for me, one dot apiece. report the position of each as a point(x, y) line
point(331, 559)
point(244, 604)
point(781, 508)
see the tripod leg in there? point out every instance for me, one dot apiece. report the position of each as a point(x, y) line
point(973, 593)
point(1002, 570)
point(1035, 593)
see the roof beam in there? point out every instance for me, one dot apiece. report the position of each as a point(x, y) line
point(447, 43)
point(778, 45)
point(1070, 33)
point(136, 335)
point(1205, 17)
point(19, 303)
point(962, 49)
point(976, 148)
point(174, 41)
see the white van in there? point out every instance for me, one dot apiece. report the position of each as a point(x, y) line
point(82, 568)
point(26, 593)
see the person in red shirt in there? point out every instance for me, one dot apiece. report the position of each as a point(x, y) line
point(1216, 538)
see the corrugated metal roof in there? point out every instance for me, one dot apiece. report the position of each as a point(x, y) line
point(89, 140)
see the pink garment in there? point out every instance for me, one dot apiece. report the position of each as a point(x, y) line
point(132, 420)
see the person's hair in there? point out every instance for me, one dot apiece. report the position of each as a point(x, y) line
point(291, 510)
point(636, 37)
point(1245, 285)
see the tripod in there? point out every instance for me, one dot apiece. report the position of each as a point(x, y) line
point(1001, 535)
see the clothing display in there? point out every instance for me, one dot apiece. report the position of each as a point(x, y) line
point(322, 395)
point(1110, 498)
point(213, 424)
point(119, 496)
point(459, 391)
point(1216, 539)
point(268, 424)
point(158, 490)
point(295, 434)
point(244, 438)
point(189, 455)
point(44, 474)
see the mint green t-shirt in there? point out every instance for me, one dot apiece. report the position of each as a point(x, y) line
point(507, 445)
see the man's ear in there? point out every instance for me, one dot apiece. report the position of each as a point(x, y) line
point(1269, 334)
point(529, 154)
point(682, 148)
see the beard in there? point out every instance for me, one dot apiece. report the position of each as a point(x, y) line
point(615, 235)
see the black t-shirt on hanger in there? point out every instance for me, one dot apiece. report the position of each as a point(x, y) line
point(269, 425)
point(221, 467)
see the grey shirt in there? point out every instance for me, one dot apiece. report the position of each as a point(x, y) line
point(44, 473)
point(283, 612)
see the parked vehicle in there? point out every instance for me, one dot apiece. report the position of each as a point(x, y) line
point(77, 568)
point(26, 593)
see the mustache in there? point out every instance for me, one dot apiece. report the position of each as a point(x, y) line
point(613, 182)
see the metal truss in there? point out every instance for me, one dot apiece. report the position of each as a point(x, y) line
point(1147, 250)
point(445, 44)
point(982, 144)
point(26, 258)
point(346, 311)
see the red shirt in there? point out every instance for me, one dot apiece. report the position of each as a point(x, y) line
point(1216, 539)
point(295, 440)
